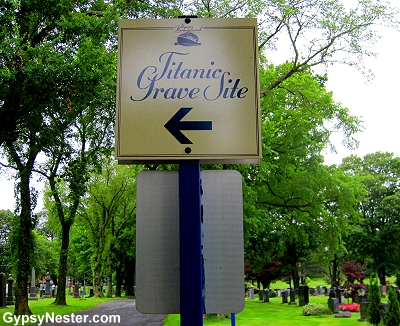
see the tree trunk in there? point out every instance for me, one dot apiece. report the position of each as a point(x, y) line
point(23, 242)
point(118, 281)
point(334, 276)
point(97, 283)
point(296, 278)
point(382, 275)
point(63, 265)
point(109, 283)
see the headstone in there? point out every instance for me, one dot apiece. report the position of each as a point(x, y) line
point(292, 297)
point(346, 314)
point(333, 305)
point(2, 290)
point(332, 293)
point(383, 307)
point(76, 290)
point(10, 294)
point(363, 310)
point(47, 293)
point(339, 294)
point(250, 292)
point(266, 295)
point(91, 291)
point(303, 295)
point(326, 290)
point(32, 292)
point(278, 293)
point(261, 295)
point(285, 296)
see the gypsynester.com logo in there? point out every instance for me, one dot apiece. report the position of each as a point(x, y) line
point(10, 319)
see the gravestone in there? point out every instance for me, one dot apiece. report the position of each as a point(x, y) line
point(278, 293)
point(383, 307)
point(76, 290)
point(285, 296)
point(332, 293)
point(266, 295)
point(261, 295)
point(10, 295)
point(303, 295)
point(363, 310)
point(326, 290)
point(2, 290)
point(32, 292)
point(292, 297)
point(250, 292)
point(47, 293)
point(333, 305)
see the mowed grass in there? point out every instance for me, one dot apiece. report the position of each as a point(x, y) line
point(258, 313)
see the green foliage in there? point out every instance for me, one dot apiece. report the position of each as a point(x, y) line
point(374, 297)
point(392, 315)
point(315, 309)
point(6, 218)
point(376, 235)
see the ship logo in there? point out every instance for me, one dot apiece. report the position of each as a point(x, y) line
point(188, 39)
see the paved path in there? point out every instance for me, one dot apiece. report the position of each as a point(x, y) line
point(126, 309)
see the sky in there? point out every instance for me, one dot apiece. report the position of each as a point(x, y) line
point(376, 103)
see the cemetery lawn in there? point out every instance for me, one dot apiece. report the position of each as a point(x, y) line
point(43, 306)
point(258, 313)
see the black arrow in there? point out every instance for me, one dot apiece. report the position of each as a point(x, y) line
point(175, 125)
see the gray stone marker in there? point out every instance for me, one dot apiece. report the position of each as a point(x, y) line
point(47, 293)
point(303, 295)
point(292, 297)
point(260, 295)
point(250, 292)
point(266, 295)
point(76, 289)
point(363, 310)
point(32, 292)
point(333, 305)
point(10, 295)
point(383, 307)
point(284, 296)
point(2, 290)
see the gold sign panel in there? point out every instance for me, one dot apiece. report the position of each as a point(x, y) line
point(188, 89)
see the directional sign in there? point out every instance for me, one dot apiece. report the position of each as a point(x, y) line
point(175, 125)
point(188, 89)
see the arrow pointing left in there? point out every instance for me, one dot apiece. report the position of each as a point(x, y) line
point(175, 125)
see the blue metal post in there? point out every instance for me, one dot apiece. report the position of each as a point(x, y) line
point(233, 320)
point(191, 265)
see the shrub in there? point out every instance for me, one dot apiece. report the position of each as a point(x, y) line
point(392, 316)
point(272, 294)
point(315, 310)
point(374, 296)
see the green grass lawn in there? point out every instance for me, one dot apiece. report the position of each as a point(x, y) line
point(258, 313)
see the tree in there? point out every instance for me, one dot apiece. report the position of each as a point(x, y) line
point(392, 315)
point(377, 234)
point(291, 188)
point(374, 297)
point(108, 210)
